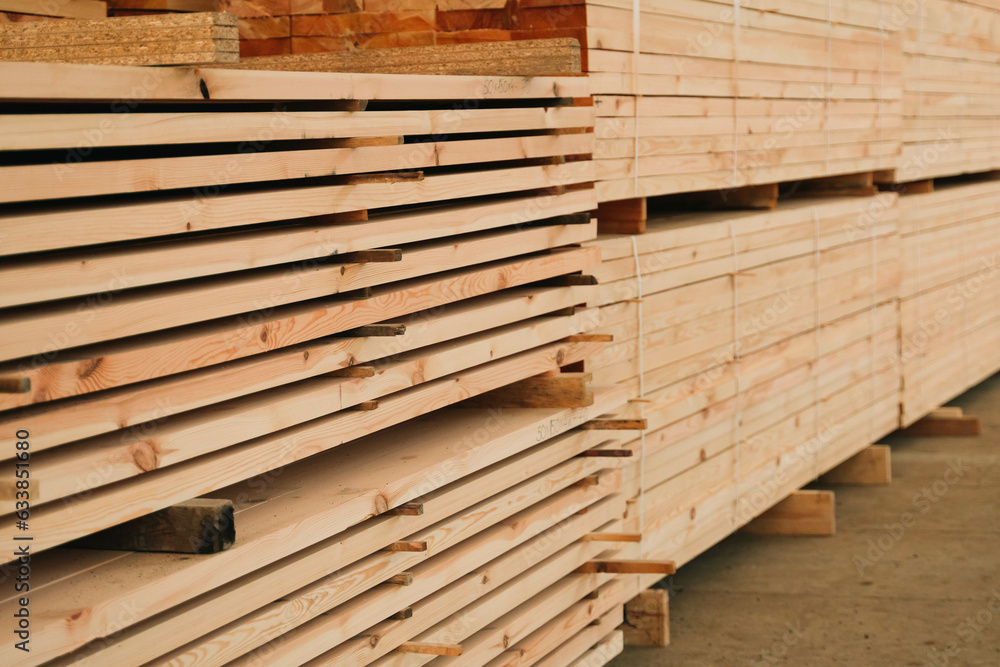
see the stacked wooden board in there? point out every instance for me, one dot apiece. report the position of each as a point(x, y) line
point(949, 321)
point(704, 94)
point(691, 96)
point(304, 296)
point(531, 57)
point(143, 7)
point(18, 11)
point(767, 355)
point(951, 89)
point(175, 39)
point(316, 26)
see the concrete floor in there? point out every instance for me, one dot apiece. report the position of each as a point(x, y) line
point(928, 596)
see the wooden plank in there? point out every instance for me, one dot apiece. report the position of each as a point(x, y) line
point(53, 424)
point(365, 473)
point(208, 344)
point(312, 404)
point(627, 216)
point(869, 466)
point(40, 131)
point(627, 567)
point(89, 272)
point(410, 546)
point(169, 306)
point(933, 426)
point(68, 81)
point(117, 177)
point(756, 197)
point(181, 39)
point(805, 513)
point(647, 619)
point(502, 591)
point(407, 509)
point(451, 650)
point(52, 526)
point(616, 425)
point(522, 58)
point(198, 526)
point(172, 5)
point(454, 553)
point(180, 215)
point(74, 9)
point(562, 390)
point(612, 537)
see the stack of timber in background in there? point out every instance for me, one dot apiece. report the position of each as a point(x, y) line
point(951, 89)
point(734, 94)
point(949, 321)
point(703, 92)
point(252, 304)
point(18, 11)
point(767, 356)
point(316, 26)
point(180, 39)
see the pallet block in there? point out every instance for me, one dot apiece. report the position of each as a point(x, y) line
point(804, 513)
point(647, 619)
point(869, 466)
point(945, 422)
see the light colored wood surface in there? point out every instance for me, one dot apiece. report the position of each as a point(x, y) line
point(805, 513)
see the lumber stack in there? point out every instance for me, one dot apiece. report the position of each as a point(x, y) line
point(760, 349)
point(318, 26)
point(537, 57)
point(706, 95)
point(179, 39)
point(949, 324)
point(314, 323)
point(951, 94)
point(691, 96)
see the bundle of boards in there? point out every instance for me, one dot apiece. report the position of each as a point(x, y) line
point(761, 349)
point(320, 26)
point(690, 95)
point(950, 290)
point(701, 94)
point(173, 39)
point(227, 289)
point(951, 89)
